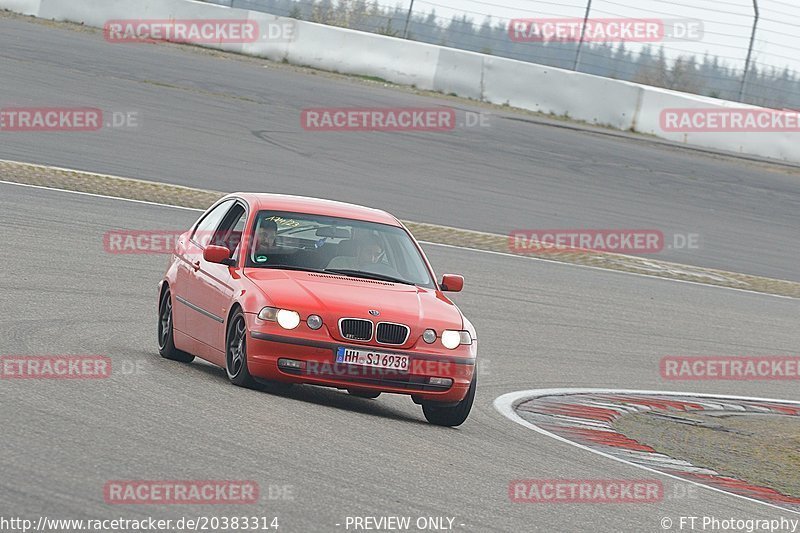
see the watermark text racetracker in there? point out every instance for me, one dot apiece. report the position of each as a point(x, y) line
point(72, 119)
point(730, 368)
point(181, 492)
point(622, 241)
point(605, 30)
point(415, 367)
point(437, 119)
point(598, 491)
point(585, 491)
point(72, 367)
point(751, 120)
point(55, 367)
point(141, 241)
point(199, 31)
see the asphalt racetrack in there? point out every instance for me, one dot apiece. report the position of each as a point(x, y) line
point(541, 325)
point(320, 455)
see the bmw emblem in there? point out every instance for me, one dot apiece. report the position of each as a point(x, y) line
point(374, 312)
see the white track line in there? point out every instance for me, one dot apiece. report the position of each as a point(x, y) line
point(505, 405)
point(82, 193)
point(465, 248)
point(591, 267)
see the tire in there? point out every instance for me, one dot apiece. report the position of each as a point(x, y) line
point(451, 416)
point(236, 353)
point(166, 338)
point(371, 395)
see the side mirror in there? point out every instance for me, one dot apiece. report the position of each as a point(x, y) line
point(218, 254)
point(452, 283)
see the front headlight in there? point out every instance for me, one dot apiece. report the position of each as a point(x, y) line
point(452, 339)
point(288, 319)
point(285, 318)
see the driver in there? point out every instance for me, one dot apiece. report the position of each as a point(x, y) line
point(369, 252)
point(368, 257)
point(265, 238)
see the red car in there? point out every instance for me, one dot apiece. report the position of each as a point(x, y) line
point(283, 289)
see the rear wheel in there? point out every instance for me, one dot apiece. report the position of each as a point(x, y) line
point(364, 393)
point(166, 339)
point(451, 416)
point(236, 353)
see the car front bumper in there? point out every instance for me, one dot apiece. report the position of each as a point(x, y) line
point(267, 353)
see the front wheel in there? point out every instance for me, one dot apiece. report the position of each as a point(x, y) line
point(236, 353)
point(451, 416)
point(166, 338)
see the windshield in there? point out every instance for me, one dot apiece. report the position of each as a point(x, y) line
point(338, 246)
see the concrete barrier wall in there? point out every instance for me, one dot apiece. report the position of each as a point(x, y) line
point(777, 145)
point(593, 99)
point(550, 90)
point(368, 54)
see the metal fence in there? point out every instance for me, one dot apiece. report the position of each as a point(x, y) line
point(754, 43)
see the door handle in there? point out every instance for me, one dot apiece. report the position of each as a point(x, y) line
point(196, 266)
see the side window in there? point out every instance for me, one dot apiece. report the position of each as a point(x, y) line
point(229, 232)
point(202, 234)
point(238, 231)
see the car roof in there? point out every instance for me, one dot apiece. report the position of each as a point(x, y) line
point(315, 206)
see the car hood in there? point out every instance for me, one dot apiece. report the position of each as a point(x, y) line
point(335, 296)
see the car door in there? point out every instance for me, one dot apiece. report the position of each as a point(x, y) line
point(190, 317)
point(213, 286)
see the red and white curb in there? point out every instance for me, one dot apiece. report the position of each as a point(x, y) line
point(584, 417)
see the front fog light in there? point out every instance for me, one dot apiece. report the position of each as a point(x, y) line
point(451, 339)
point(314, 321)
point(440, 382)
point(429, 336)
point(288, 319)
point(291, 364)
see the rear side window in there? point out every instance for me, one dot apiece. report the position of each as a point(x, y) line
point(205, 230)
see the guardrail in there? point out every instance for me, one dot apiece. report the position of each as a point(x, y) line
point(592, 99)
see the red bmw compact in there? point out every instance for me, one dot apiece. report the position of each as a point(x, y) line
point(284, 289)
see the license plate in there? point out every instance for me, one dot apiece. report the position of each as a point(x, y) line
point(372, 359)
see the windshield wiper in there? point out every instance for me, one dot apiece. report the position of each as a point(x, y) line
point(292, 267)
point(368, 275)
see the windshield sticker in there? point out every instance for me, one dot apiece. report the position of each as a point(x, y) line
point(288, 222)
